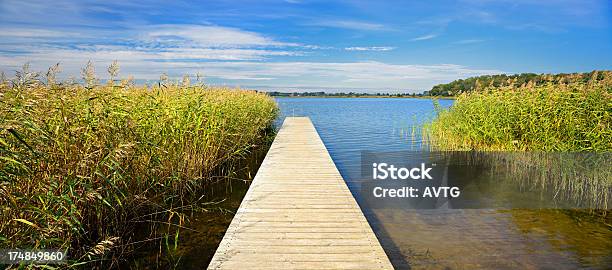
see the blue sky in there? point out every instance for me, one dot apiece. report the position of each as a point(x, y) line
point(396, 46)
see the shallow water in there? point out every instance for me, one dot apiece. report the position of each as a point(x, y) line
point(203, 230)
point(449, 238)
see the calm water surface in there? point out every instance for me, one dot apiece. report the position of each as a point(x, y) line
point(447, 239)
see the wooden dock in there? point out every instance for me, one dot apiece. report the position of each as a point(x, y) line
point(298, 213)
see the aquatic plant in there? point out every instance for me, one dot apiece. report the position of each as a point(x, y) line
point(83, 167)
point(575, 117)
point(564, 119)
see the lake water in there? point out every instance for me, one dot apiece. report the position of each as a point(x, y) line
point(449, 238)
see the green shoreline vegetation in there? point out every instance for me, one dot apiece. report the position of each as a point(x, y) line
point(552, 117)
point(478, 83)
point(494, 89)
point(85, 167)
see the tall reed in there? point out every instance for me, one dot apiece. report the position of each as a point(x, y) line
point(574, 117)
point(564, 119)
point(82, 166)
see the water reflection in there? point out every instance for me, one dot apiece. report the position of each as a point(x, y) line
point(497, 239)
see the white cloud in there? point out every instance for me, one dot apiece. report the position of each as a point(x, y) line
point(31, 33)
point(209, 36)
point(276, 74)
point(369, 48)
point(138, 45)
point(222, 54)
point(73, 59)
point(348, 24)
point(346, 75)
point(469, 41)
point(425, 37)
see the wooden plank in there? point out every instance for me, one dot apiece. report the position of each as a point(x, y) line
point(299, 213)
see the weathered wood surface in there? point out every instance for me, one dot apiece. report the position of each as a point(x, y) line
point(299, 213)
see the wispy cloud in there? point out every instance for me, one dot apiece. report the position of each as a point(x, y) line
point(425, 37)
point(350, 24)
point(215, 36)
point(377, 49)
point(148, 66)
point(138, 48)
point(20, 32)
point(540, 27)
point(243, 44)
point(370, 74)
point(145, 43)
point(223, 54)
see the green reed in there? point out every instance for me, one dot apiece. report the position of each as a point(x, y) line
point(81, 167)
point(574, 117)
point(560, 118)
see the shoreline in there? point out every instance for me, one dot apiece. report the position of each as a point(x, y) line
point(415, 97)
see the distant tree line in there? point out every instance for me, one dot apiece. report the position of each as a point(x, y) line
point(517, 80)
point(340, 94)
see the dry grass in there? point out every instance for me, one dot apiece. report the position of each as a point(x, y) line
point(82, 166)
